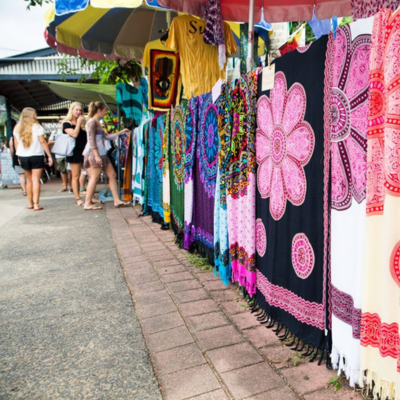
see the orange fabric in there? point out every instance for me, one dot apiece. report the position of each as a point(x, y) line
point(199, 61)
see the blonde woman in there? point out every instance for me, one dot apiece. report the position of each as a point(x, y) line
point(29, 146)
point(96, 159)
point(74, 125)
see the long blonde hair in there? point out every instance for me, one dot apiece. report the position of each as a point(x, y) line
point(26, 121)
point(95, 106)
point(71, 109)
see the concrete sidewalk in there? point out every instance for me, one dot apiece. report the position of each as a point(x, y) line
point(67, 324)
point(203, 341)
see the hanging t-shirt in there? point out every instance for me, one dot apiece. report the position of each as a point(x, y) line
point(199, 61)
point(131, 99)
point(164, 75)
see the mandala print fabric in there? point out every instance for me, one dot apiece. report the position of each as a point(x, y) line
point(349, 109)
point(164, 125)
point(221, 239)
point(240, 180)
point(177, 157)
point(204, 175)
point(380, 318)
point(292, 198)
point(191, 119)
point(155, 169)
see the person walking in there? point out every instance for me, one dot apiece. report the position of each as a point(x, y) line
point(74, 126)
point(15, 163)
point(96, 159)
point(30, 146)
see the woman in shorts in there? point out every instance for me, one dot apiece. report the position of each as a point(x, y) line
point(30, 146)
point(96, 159)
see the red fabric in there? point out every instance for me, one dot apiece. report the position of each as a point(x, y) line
point(274, 10)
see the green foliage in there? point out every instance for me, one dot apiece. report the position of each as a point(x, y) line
point(346, 21)
point(106, 72)
point(335, 382)
point(33, 3)
point(293, 26)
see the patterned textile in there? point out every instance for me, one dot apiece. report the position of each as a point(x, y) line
point(205, 168)
point(127, 194)
point(292, 197)
point(240, 179)
point(244, 46)
point(368, 8)
point(380, 339)
point(177, 168)
point(155, 169)
point(349, 110)
point(214, 30)
point(191, 118)
point(164, 125)
point(221, 239)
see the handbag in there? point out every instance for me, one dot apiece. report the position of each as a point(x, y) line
point(64, 145)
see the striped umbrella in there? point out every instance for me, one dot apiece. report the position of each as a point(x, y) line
point(112, 33)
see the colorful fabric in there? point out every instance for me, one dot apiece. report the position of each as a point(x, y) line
point(131, 99)
point(349, 109)
point(368, 8)
point(244, 47)
point(177, 166)
point(163, 125)
point(127, 192)
point(186, 37)
point(204, 176)
point(380, 319)
point(222, 263)
point(164, 75)
point(155, 168)
point(191, 118)
point(240, 179)
point(292, 197)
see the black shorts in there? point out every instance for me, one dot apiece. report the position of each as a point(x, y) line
point(33, 162)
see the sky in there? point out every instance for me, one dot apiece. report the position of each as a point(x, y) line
point(21, 30)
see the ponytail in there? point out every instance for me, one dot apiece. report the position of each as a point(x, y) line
point(95, 106)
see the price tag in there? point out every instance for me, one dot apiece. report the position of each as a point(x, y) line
point(268, 77)
point(216, 90)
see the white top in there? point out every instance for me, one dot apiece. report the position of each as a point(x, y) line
point(35, 149)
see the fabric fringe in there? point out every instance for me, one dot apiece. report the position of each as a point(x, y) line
point(380, 388)
point(339, 362)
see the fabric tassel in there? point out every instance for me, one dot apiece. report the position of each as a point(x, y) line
point(380, 388)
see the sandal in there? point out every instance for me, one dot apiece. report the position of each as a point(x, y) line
point(123, 204)
point(38, 208)
point(63, 190)
point(79, 202)
point(92, 207)
point(30, 207)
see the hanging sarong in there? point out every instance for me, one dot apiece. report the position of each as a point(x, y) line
point(292, 194)
point(146, 171)
point(191, 118)
point(241, 180)
point(222, 263)
point(127, 181)
point(380, 319)
point(166, 169)
point(177, 165)
point(204, 176)
point(349, 65)
point(155, 166)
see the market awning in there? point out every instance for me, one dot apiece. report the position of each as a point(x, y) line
point(85, 92)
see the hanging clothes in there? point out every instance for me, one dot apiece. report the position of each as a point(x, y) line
point(164, 75)
point(127, 192)
point(155, 169)
point(165, 123)
point(380, 319)
point(292, 197)
point(222, 263)
point(138, 161)
point(199, 61)
point(240, 180)
point(204, 176)
point(131, 99)
point(244, 47)
point(177, 166)
point(368, 8)
point(349, 64)
point(191, 121)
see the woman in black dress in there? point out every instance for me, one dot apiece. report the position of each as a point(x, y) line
point(74, 125)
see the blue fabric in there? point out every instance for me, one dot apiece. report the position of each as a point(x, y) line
point(320, 27)
point(68, 6)
point(131, 99)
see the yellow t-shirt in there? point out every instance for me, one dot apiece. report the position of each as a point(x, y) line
point(199, 61)
point(165, 84)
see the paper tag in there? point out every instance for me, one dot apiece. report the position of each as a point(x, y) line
point(268, 77)
point(216, 90)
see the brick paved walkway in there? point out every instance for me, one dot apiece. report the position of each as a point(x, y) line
point(203, 342)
